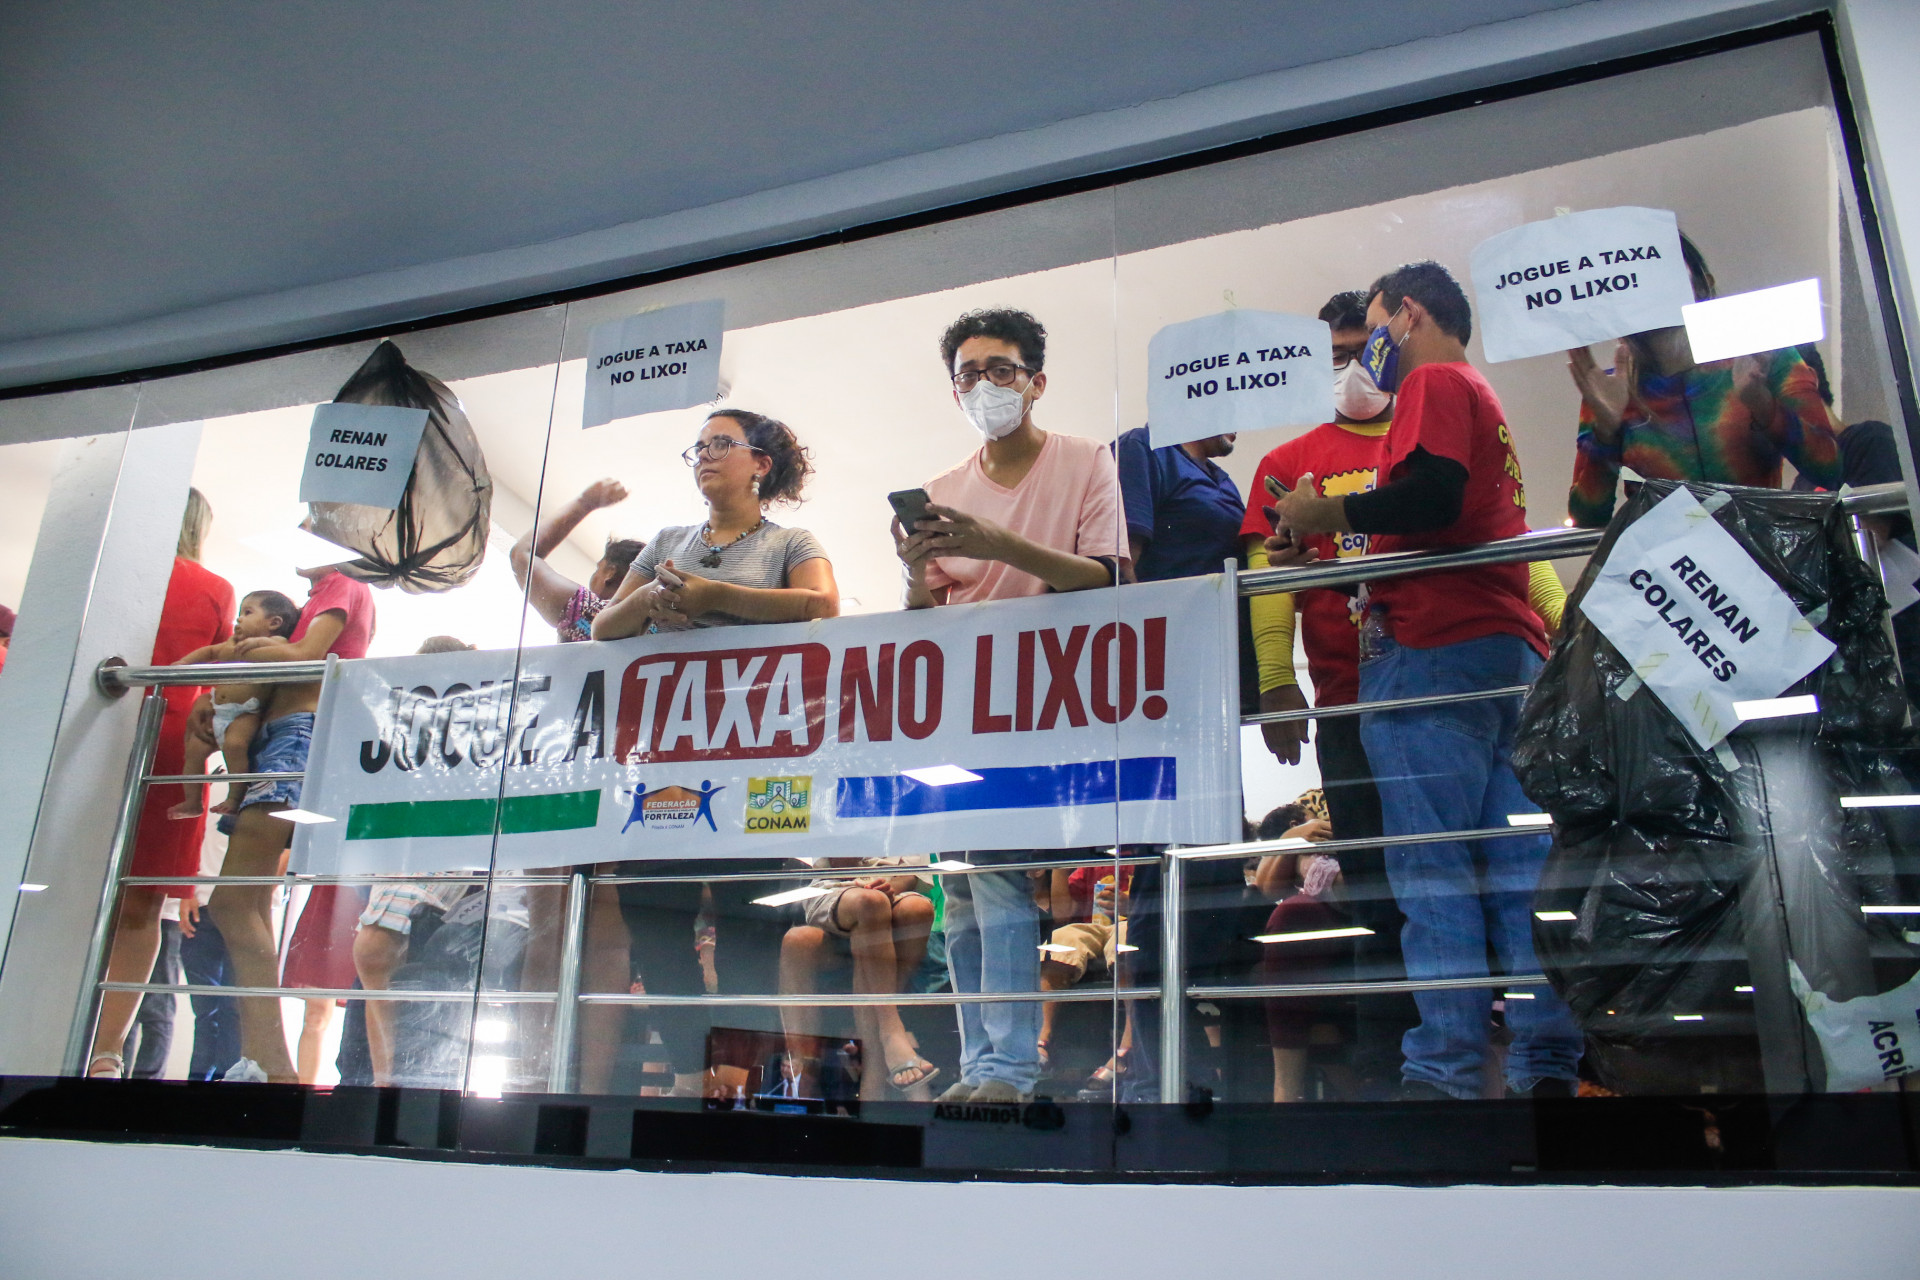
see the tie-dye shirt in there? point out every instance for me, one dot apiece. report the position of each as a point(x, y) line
point(1696, 428)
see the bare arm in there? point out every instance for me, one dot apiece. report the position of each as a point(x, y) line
point(548, 589)
point(634, 606)
point(810, 593)
point(321, 634)
point(950, 532)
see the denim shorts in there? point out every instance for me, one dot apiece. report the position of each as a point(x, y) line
point(280, 747)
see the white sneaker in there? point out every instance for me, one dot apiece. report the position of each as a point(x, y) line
point(246, 1071)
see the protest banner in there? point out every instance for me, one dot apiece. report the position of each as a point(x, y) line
point(654, 361)
point(1701, 624)
point(1237, 371)
point(1058, 722)
point(1578, 279)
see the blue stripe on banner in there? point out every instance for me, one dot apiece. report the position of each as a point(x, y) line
point(1047, 786)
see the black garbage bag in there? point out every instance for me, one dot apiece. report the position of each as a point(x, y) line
point(1659, 846)
point(481, 942)
point(436, 538)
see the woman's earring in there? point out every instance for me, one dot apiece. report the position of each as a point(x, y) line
point(756, 486)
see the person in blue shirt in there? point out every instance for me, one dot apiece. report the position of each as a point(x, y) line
point(1183, 519)
point(1183, 511)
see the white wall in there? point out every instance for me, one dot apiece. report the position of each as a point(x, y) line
point(215, 1214)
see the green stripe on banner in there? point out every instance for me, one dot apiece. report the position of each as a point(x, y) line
point(519, 815)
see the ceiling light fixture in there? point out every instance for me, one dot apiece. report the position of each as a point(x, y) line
point(1309, 935)
point(801, 894)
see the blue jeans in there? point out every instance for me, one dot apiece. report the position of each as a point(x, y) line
point(993, 944)
point(1448, 769)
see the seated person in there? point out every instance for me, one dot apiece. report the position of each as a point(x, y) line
point(1089, 932)
point(236, 707)
point(884, 921)
point(1302, 884)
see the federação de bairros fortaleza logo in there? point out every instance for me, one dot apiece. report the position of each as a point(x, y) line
point(672, 808)
point(779, 804)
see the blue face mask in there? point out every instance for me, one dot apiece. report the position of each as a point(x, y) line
point(1382, 357)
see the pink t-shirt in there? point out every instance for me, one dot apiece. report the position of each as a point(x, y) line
point(355, 599)
point(1069, 501)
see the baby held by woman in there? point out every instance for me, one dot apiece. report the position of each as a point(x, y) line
point(236, 707)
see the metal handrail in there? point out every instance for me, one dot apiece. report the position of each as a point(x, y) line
point(1547, 544)
point(114, 677)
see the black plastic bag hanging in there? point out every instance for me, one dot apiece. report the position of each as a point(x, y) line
point(436, 538)
point(1678, 887)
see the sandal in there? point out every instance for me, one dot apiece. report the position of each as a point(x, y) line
point(1046, 1057)
point(916, 1070)
point(119, 1066)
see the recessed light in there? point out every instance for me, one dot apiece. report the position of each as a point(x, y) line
point(1554, 917)
point(1878, 802)
point(1516, 995)
point(950, 864)
point(1309, 935)
point(1770, 708)
point(1689, 1017)
point(33, 888)
point(1743, 991)
point(1529, 819)
point(801, 894)
point(1891, 910)
point(940, 775)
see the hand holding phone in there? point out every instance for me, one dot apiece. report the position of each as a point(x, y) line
point(909, 506)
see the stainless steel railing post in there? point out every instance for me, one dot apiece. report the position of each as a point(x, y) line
point(566, 1006)
point(133, 793)
point(1173, 980)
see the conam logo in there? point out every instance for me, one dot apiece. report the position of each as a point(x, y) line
point(673, 808)
point(779, 804)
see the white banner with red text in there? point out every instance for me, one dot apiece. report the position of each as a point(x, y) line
point(1059, 722)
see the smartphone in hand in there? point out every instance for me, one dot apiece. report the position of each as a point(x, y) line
point(909, 505)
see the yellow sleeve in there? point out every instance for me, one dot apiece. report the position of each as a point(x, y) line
point(1546, 594)
point(1272, 630)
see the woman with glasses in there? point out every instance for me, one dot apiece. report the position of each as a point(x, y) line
point(736, 567)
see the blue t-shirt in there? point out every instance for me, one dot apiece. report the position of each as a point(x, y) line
point(1186, 514)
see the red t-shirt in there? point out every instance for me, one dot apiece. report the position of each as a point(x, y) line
point(1449, 410)
point(1341, 460)
point(198, 612)
point(355, 599)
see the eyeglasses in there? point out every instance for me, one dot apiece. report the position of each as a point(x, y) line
point(717, 448)
point(1000, 375)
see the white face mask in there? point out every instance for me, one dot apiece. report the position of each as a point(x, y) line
point(994, 411)
point(1355, 396)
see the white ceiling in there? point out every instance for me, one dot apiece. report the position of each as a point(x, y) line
point(166, 158)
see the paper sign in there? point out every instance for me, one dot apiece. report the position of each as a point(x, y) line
point(657, 360)
point(1698, 620)
point(1237, 371)
point(1057, 722)
point(1584, 278)
point(1899, 572)
point(361, 453)
point(1866, 1041)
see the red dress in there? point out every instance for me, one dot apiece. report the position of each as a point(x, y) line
point(198, 611)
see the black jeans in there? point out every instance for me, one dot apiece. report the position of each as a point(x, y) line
point(153, 1025)
point(660, 916)
point(216, 1019)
